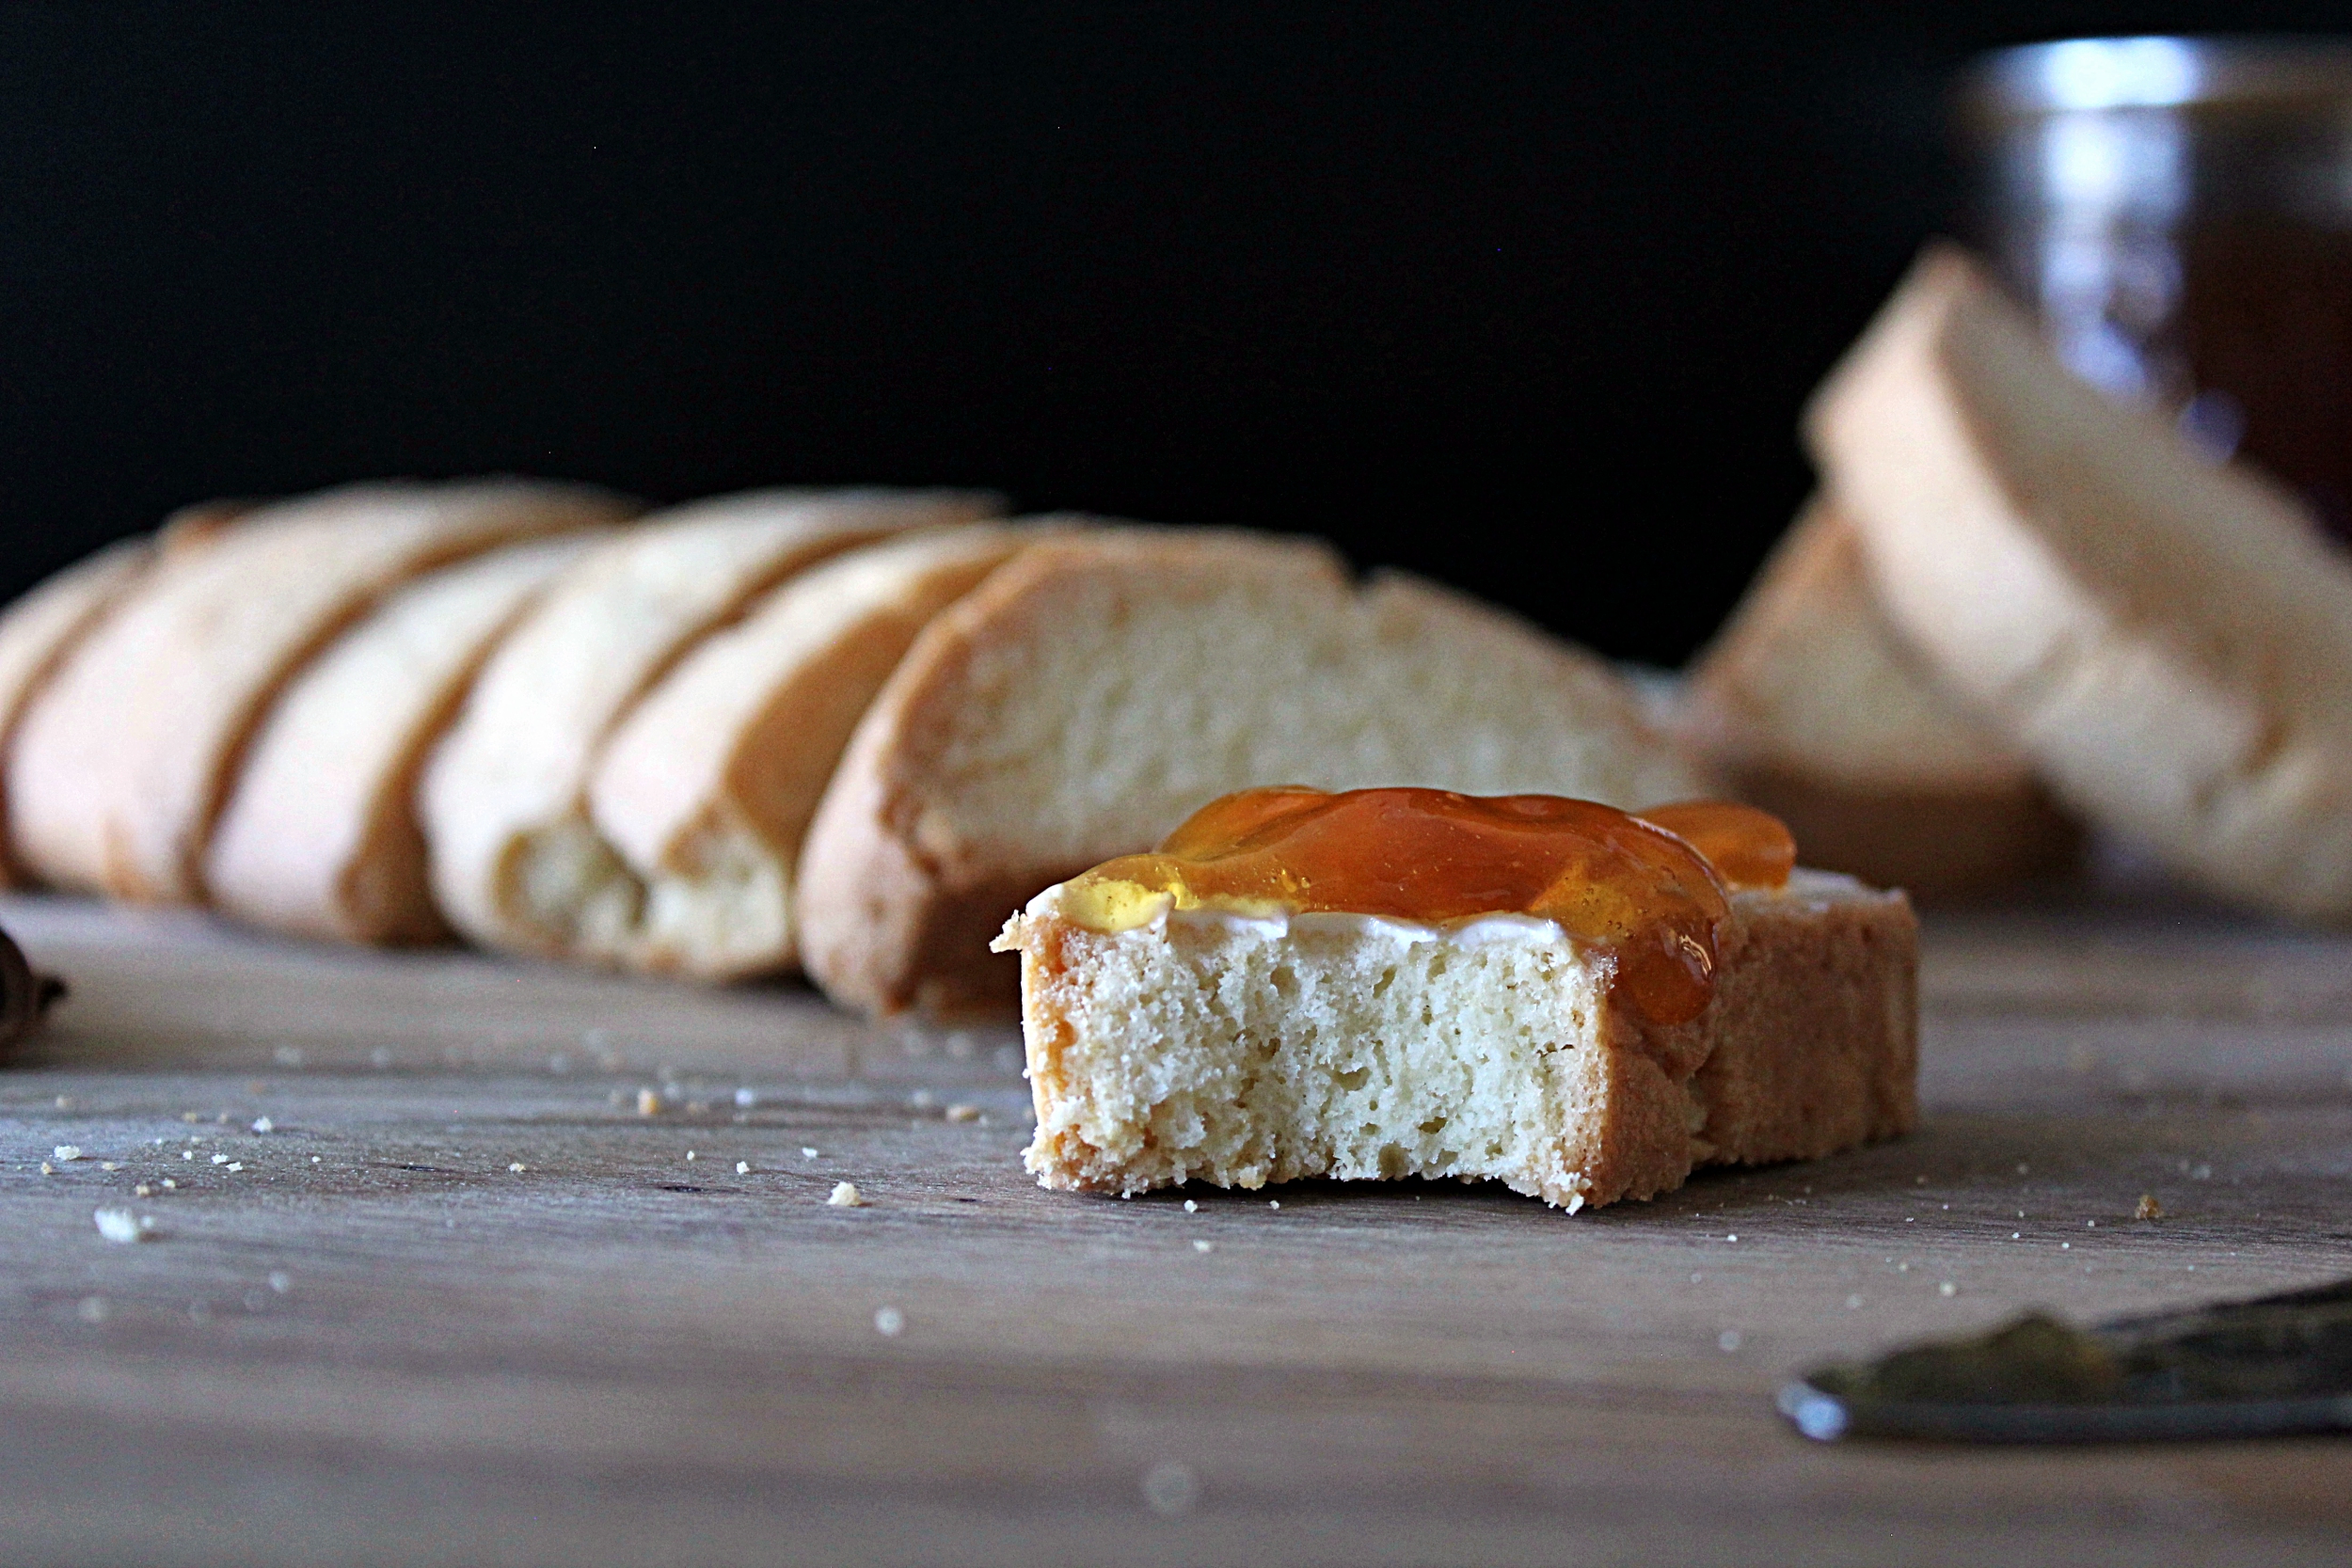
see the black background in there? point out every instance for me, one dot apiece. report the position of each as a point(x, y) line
point(1524, 297)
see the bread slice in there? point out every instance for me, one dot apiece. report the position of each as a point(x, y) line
point(1237, 1051)
point(125, 758)
point(1815, 710)
point(705, 792)
point(51, 619)
point(1096, 688)
point(2171, 641)
point(516, 862)
point(320, 835)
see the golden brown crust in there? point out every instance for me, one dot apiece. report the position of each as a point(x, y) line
point(2169, 639)
point(903, 881)
point(124, 759)
point(1818, 711)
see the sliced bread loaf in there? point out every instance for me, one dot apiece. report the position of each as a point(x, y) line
point(705, 790)
point(123, 759)
point(320, 835)
point(516, 862)
point(2169, 640)
point(1098, 688)
point(51, 619)
point(1815, 708)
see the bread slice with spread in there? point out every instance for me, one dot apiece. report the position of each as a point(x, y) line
point(1397, 982)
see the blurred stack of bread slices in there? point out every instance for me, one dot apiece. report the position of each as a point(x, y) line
point(845, 730)
point(2017, 591)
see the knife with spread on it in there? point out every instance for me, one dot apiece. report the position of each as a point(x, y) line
point(2264, 1367)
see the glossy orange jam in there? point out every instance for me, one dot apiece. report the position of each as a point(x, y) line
point(1651, 888)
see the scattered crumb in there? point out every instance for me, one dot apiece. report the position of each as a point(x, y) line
point(807, 1153)
point(142, 1189)
point(1731, 1238)
point(2023, 1169)
point(65, 1103)
point(48, 1169)
point(964, 1113)
point(2016, 1235)
point(746, 1099)
point(517, 1166)
point(2091, 1224)
point(121, 1225)
point(314, 1159)
point(742, 1167)
point(1191, 1207)
point(889, 1321)
point(923, 1099)
point(1170, 1488)
point(845, 1196)
point(220, 1159)
point(2149, 1208)
point(235, 1165)
point(66, 1153)
point(110, 1164)
point(263, 1124)
point(2066, 1246)
point(187, 1155)
point(648, 1103)
point(1947, 1289)
point(1919, 1181)
point(1728, 1341)
point(1274, 1203)
point(280, 1281)
point(1204, 1246)
point(191, 1115)
point(689, 1156)
point(169, 1185)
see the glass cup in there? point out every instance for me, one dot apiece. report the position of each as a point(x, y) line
point(2179, 210)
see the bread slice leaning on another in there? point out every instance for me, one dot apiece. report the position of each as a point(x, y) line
point(124, 759)
point(516, 862)
point(320, 835)
point(1241, 1050)
point(705, 792)
point(53, 617)
point(2169, 640)
point(1096, 688)
point(1815, 709)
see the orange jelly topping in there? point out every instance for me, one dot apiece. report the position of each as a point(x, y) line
point(1651, 888)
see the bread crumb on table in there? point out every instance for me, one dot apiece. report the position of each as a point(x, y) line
point(648, 1103)
point(263, 1124)
point(889, 1321)
point(517, 1166)
point(964, 1113)
point(742, 1167)
point(121, 1225)
point(845, 1196)
point(2149, 1208)
point(1204, 1246)
point(66, 1152)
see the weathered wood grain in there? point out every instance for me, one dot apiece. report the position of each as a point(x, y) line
point(374, 1340)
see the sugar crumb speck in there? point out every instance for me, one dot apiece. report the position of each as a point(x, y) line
point(845, 1196)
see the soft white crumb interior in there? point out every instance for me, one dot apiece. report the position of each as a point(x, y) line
point(1239, 1050)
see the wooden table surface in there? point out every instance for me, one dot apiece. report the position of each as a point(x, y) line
point(364, 1335)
